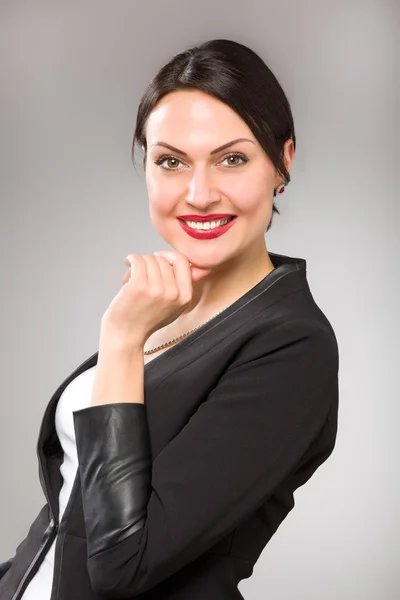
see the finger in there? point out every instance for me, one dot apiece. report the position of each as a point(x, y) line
point(182, 273)
point(138, 269)
point(169, 255)
point(155, 279)
point(183, 278)
point(197, 273)
point(126, 277)
point(167, 272)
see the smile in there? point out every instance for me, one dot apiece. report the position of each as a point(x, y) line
point(207, 230)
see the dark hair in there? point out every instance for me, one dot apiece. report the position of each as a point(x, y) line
point(237, 76)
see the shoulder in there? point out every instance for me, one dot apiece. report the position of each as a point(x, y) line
point(292, 344)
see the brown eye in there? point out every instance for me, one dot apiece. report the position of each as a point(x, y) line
point(173, 161)
point(234, 157)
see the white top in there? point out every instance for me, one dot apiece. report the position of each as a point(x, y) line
point(76, 395)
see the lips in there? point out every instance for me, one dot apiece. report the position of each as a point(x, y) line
point(203, 219)
point(206, 234)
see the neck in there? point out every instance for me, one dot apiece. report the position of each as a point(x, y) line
point(226, 283)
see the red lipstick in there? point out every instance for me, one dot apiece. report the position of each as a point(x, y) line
point(202, 219)
point(205, 234)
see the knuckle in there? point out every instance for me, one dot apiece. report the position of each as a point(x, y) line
point(171, 295)
point(155, 291)
point(186, 300)
point(138, 286)
point(181, 258)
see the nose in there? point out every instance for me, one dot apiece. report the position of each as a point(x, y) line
point(201, 190)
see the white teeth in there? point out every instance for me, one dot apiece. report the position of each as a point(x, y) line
point(207, 224)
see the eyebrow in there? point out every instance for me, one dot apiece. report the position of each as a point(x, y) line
point(223, 147)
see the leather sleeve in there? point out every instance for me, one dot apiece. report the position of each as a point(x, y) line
point(146, 520)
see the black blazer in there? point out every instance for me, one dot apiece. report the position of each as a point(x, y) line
point(176, 498)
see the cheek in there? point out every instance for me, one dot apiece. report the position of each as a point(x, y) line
point(249, 195)
point(162, 197)
point(161, 208)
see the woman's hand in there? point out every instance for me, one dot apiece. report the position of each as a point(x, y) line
point(156, 289)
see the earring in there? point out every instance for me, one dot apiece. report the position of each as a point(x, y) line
point(280, 189)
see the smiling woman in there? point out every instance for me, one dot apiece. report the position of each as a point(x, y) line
point(227, 126)
point(211, 211)
point(239, 78)
point(171, 477)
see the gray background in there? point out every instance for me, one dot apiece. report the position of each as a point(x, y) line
point(72, 207)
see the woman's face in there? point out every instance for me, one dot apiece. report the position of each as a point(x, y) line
point(203, 181)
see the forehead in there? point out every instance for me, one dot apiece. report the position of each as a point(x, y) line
point(187, 112)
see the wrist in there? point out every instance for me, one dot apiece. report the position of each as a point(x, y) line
point(120, 349)
point(119, 376)
point(117, 343)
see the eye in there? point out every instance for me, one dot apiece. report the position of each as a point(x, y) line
point(165, 157)
point(169, 157)
point(237, 155)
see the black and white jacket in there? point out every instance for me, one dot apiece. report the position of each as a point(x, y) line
point(176, 498)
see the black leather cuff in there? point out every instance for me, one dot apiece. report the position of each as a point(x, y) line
point(115, 467)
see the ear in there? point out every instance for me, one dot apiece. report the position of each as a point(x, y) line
point(288, 155)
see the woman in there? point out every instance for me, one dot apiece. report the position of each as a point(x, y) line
point(170, 457)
